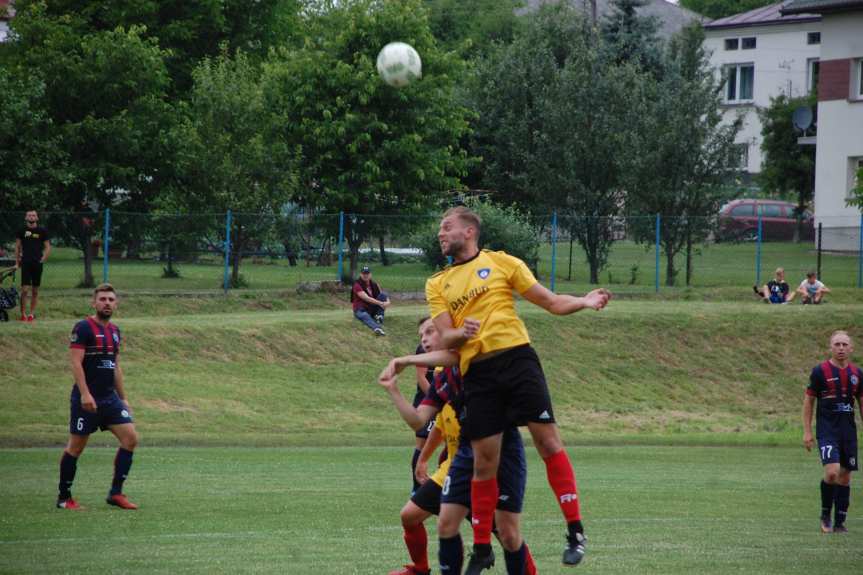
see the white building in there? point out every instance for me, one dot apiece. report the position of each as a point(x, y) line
point(840, 117)
point(6, 14)
point(762, 54)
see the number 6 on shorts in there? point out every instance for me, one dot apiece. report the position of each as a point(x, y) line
point(80, 425)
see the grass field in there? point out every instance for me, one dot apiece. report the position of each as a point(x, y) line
point(648, 510)
point(631, 269)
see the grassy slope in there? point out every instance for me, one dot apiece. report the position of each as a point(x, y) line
point(641, 371)
point(300, 511)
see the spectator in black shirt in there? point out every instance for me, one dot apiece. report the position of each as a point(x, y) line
point(32, 248)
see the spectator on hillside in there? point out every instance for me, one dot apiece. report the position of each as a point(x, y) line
point(812, 290)
point(776, 290)
point(369, 302)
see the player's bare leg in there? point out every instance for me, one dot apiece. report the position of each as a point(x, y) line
point(34, 299)
point(25, 289)
point(561, 478)
point(68, 467)
point(128, 438)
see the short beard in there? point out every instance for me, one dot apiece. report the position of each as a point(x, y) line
point(103, 316)
point(454, 248)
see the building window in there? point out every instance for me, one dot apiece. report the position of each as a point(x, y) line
point(731, 43)
point(812, 67)
point(858, 79)
point(742, 156)
point(748, 43)
point(740, 83)
point(854, 167)
point(813, 38)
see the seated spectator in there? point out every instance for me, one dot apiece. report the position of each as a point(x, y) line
point(776, 290)
point(369, 302)
point(812, 289)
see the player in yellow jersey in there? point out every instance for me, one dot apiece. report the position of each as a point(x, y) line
point(473, 307)
point(448, 491)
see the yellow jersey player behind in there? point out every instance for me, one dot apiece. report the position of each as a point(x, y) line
point(473, 307)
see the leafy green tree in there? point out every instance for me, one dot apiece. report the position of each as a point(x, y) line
point(504, 228)
point(105, 96)
point(474, 26)
point(686, 152)
point(368, 148)
point(554, 114)
point(721, 8)
point(631, 37)
point(231, 156)
point(788, 169)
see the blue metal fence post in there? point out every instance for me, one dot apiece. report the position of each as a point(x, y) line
point(106, 240)
point(860, 256)
point(758, 249)
point(341, 244)
point(553, 249)
point(656, 247)
point(228, 218)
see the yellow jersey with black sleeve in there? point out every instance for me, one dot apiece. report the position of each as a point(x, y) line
point(481, 288)
point(447, 422)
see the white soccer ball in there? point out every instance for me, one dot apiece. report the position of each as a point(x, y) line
point(399, 64)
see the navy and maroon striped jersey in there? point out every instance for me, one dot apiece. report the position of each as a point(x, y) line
point(836, 389)
point(101, 344)
point(420, 394)
point(447, 388)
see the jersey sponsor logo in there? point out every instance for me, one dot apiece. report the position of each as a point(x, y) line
point(466, 298)
point(483, 273)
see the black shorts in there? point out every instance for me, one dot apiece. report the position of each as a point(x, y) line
point(841, 451)
point(427, 497)
point(423, 432)
point(504, 390)
point(31, 274)
point(110, 411)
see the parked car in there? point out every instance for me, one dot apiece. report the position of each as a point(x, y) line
point(738, 221)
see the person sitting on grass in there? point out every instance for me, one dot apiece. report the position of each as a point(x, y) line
point(369, 302)
point(812, 289)
point(776, 290)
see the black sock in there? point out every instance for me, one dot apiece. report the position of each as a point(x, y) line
point(516, 561)
point(575, 527)
point(843, 499)
point(122, 464)
point(414, 470)
point(68, 467)
point(450, 554)
point(827, 496)
point(482, 549)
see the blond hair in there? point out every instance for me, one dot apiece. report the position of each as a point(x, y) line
point(467, 217)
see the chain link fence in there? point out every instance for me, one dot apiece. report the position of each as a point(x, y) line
point(301, 250)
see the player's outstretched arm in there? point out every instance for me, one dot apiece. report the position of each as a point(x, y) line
point(440, 358)
point(562, 304)
point(415, 417)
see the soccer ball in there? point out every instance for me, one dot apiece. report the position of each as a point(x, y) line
point(399, 64)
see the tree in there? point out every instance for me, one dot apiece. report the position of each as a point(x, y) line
point(631, 37)
point(105, 95)
point(721, 8)
point(686, 152)
point(368, 148)
point(231, 156)
point(474, 26)
point(788, 169)
point(554, 114)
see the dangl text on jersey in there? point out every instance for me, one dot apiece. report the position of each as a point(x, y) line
point(466, 298)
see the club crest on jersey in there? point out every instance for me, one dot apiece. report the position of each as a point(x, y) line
point(116, 338)
point(74, 337)
point(854, 379)
point(483, 273)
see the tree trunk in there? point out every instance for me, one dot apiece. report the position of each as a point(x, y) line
point(688, 258)
point(384, 260)
point(670, 272)
point(569, 274)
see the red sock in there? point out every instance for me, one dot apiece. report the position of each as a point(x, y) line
point(483, 500)
point(561, 478)
point(417, 543)
point(529, 565)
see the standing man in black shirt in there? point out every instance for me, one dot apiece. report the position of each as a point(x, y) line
point(32, 248)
